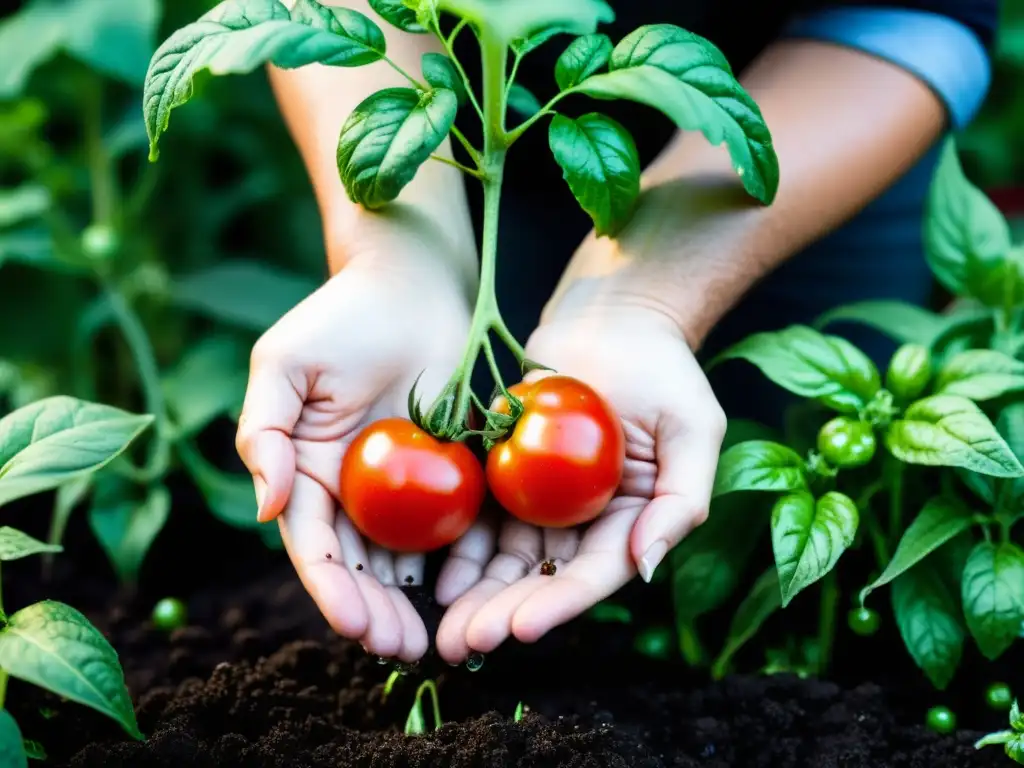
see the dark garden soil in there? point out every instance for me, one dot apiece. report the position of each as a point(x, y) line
point(258, 680)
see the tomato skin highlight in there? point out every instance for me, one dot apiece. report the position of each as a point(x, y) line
point(562, 462)
point(408, 491)
point(846, 443)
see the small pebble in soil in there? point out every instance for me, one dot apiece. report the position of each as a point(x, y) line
point(475, 661)
point(999, 696)
point(941, 720)
point(548, 568)
point(169, 614)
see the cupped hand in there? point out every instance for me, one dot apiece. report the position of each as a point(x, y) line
point(639, 361)
point(343, 358)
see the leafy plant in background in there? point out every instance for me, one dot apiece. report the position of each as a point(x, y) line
point(106, 294)
point(922, 467)
point(50, 644)
point(1012, 739)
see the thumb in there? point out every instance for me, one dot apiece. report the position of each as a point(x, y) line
point(271, 410)
point(687, 457)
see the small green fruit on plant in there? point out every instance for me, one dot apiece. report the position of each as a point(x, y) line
point(846, 443)
point(169, 614)
point(864, 621)
point(910, 370)
point(50, 644)
point(656, 642)
point(392, 132)
point(998, 696)
point(941, 720)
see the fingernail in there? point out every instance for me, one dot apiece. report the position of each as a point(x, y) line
point(652, 557)
point(261, 492)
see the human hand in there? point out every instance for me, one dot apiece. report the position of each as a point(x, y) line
point(343, 358)
point(639, 361)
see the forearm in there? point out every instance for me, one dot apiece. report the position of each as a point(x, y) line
point(845, 126)
point(315, 102)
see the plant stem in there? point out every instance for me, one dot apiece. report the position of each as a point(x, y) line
point(3, 687)
point(448, 43)
point(456, 164)
point(412, 80)
point(690, 646)
point(895, 502)
point(827, 620)
point(101, 173)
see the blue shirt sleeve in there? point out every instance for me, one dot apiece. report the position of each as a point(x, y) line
point(947, 53)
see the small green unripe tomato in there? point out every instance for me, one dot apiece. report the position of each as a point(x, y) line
point(100, 241)
point(655, 642)
point(910, 370)
point(863, 621)
point(169, 614)
point(941, 720)
point(846, 443)
point(999, 696)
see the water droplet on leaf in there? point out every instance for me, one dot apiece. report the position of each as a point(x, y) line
point(474, 662)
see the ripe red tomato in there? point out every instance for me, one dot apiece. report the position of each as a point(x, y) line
point(562, 462)
point(408, 491)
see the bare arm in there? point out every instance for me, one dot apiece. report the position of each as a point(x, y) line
point(316, 100)
point(845, 125)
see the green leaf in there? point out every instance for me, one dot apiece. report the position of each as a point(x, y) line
point(68, 497)
point(809, 536)
point(967, 239)
point(928, 617)
point(34, 750)
point(599, 161)
point(584, 57)
point(54, 646)
point(522, 46)
point(980, 374)
point(238, 36)
point(951, 431)
point(759, 465)
point(127, 528)
point(940, 520)
point(15, 545)
point(398, 14)
point(1010, 424)
point(521, 100)
point(12, 748)
point(708, 564)
point(250, 295)
point(29, 201)
point(55, 440)
point(114, 37)
point(440, 72)
point(898, 320)
point(812, 365)
point(523, 19)
point(231, 497)
point(386, 139)
point(762, 601)
point(208, 382)
point(993, 595)
point(689, 80)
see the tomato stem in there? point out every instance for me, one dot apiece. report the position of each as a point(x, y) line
point(827, 620)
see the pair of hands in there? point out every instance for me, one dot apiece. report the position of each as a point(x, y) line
point(347, 356)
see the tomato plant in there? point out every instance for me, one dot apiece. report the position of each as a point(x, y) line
point(407, 490)
point(169, 613)
point(846, 443)
point(562, 462)
point(941, 720)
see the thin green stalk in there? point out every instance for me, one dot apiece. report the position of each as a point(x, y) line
point(448, 43)
point(101, 172)
point(690, 646)
point(896, 503)
point(456, 164)
point(510, 341)
point(827, 620)
point(3, 687)
point(472, 151)
point(877, 536)
point(412, 80)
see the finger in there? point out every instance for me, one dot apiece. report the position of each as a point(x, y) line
point(409, 569)
point(382, 565)
point(561, 543)
point(307, 528)
point(520, 548)
point(687, 461)
point(466, 561)
point(492, 623)
point(414, 633)
point(271, 409)
point(601, 567)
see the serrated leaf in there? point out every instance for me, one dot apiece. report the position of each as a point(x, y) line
point(759, 465)
point(57, 439)
point(940, 520)
point(440, 72)
point(928, 618)
point(688, 79)
point(12, 749)
point(237, 36)
point(386, 139)
point(951, 431)
point(398, 14)
point(55, 647)
point(759, 604)
point(521, 100)
point(126, 528)
point(993, 595)
point(809, 536)
point(967, 239)
point(980, 374)
point(585, 56)
point(599, 161)
point(15, 545)
point(810, 364)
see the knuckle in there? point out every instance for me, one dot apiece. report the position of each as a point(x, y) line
point(700, 516)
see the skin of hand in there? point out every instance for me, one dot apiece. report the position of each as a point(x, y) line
point(628, 312)
point(343, 358)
